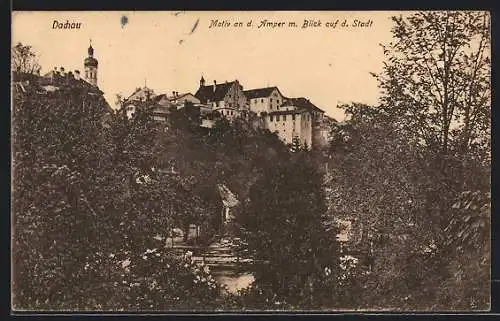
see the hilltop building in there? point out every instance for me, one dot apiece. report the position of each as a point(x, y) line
point(292, 119)
point(146, 98)
point(290, 124)
point(136, 99)
point(228, 98)
point(141, 94)
point(264, 99)
point(304, 115)
point(161, 104)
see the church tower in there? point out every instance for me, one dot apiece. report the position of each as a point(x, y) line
point(90, 64)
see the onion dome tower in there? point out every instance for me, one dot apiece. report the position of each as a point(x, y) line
point(90, 64)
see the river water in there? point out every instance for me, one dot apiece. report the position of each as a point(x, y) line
point(233, 280)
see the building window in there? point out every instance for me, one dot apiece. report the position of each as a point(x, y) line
point(284, 118)
point(270, 100)
point(277, 117)
point(231, 113)
point(262, 100)
point(271, 118)
point(293, 116)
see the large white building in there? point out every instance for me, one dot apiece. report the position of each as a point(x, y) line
point(159, 105)
point(264, 99)
point(290, 118)
point(291, 124)
point(132, 102)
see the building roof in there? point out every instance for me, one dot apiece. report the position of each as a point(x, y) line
point(303, 103)
point(179, 96)
point(141, 93)
point(54, 77)
point(260, 92)
point(205, 93)
point(90, 61)
point(327, 119)
point(159, 97)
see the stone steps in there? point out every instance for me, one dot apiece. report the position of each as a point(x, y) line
point(218, 256)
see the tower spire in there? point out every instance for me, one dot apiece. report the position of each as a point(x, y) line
point(91, 49)
point(90, 64)
point(202, 81)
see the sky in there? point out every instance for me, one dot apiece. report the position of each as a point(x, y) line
point(170, 51)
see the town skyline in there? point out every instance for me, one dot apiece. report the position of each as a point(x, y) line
point(148, 51)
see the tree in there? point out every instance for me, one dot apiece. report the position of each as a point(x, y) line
point(469, 248)
point(436, 79)
point(283, 224)
point(413, 220)
point(377, 181)
point(434, 120)
point(24, 60)
point(55, 137)
point(90, 213)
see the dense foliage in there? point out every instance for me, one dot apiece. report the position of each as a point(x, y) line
point(24, 59)
point(297, 259)
point(96, 195)
point(414, 172)
point(95, 192)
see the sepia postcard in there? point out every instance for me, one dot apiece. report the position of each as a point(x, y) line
point(235, 161)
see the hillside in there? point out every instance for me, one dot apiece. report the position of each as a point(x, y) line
point(78, 192)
